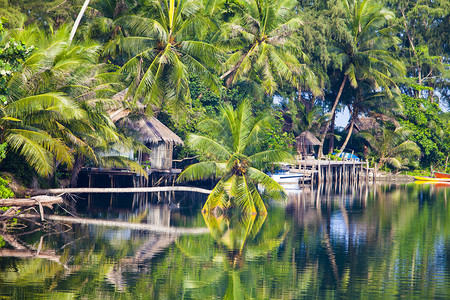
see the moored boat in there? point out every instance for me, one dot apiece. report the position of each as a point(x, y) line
point(287, 177)
point(431, 179)
point(441, 175)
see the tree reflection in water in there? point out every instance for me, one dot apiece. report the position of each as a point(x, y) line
point(382, 240)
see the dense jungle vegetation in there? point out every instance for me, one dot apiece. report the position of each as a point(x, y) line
point(302, 62)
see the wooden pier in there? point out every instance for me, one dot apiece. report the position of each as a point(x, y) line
point(326, 170)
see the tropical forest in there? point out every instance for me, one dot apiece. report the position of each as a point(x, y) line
point(145, 146)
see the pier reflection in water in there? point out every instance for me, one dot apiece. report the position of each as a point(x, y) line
point(334, 242)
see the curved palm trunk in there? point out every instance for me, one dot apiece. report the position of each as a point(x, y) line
point(333, 110)
point(232, 72)
point(77, 21)
point(79, 162)
point(349, 134)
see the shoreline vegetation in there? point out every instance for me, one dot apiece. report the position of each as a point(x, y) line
point(213, 73)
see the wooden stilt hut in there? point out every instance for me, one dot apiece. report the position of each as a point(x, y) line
point(159, 139)
point(149, 131)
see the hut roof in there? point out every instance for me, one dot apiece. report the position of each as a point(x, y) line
point(152, 131)
point(307, 138)
point(364, 123)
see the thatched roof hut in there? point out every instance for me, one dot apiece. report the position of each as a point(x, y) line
point(364, 123)
point(151, 132)
point(306, 142)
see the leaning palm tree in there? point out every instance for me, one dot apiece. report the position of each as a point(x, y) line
point(392, 146)
point(380, 105)
point(364, 55)
point(234, 159)
point(261, 42)
point(166, 46)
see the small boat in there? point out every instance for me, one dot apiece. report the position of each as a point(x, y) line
point(287, 177)
point(431, 179)
point(441, 175)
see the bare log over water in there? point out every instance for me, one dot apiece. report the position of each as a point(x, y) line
point(47, 201)
point(121, 190)
point(123, 224)
point(25, 253)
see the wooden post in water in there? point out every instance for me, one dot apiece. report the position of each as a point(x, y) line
point(367, 170)
point(329, 171)
point(319, 170)
point(353, 168)
point(375, 173)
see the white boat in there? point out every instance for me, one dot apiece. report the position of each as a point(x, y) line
point(287, 177)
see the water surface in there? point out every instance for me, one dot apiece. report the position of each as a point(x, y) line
point(383, 241)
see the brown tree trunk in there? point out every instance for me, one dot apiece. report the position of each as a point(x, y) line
point(333, 110)
point(229, 75)
point(331, 142)
point(79, 162)
point(349, 134)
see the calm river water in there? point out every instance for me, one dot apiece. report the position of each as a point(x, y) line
point(376, 242)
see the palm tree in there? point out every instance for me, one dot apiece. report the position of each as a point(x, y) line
point(364, 54)
point(233, 158)
point(165, 48)
point(56, 108)
point(392, 146)
point(261, 43)
point(303, 119)
point(380, 105)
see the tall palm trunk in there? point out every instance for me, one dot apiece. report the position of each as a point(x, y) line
point(77, 21)
point(232, 72)
point(349, 134)
point(333, 110)
point(331, 142)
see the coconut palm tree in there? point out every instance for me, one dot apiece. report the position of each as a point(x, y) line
point(230, 148)
point(380, 105)
point(57, 104)
point(392, 146)
point(262, 46)
point(364, 54)
point(165, 46)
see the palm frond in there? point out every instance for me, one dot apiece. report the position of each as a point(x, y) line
point(202, 171)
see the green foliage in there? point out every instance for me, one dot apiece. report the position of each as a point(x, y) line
point(15, 164)
point(392, 147)
point(5, 191)
point(422, 118)
point(230, 142)
point(12, 56)
point(3, 151)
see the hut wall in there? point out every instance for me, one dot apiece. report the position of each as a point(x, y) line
point(161, 156)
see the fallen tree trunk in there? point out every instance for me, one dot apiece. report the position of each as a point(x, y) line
point(47, 201)
point(25, 253)
point(120, 190)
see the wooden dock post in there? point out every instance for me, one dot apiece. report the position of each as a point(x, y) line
point(329, 180)
point(367, 170)
point(319, 176)
point(375, 173)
